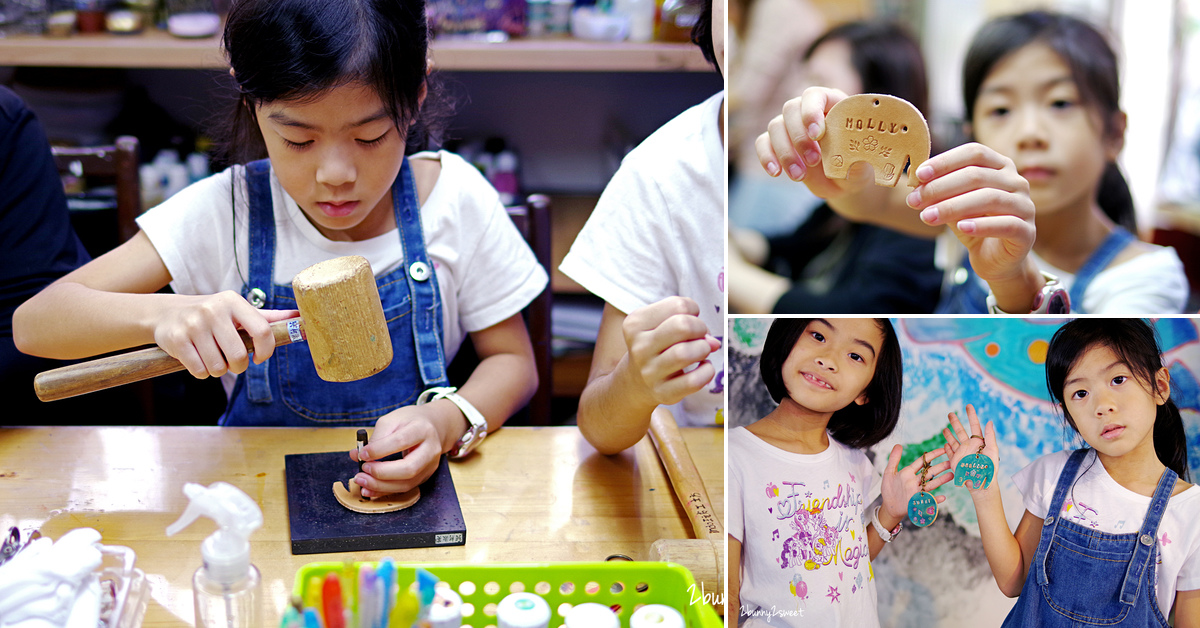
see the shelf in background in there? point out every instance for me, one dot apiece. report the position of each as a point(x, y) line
point(157, 49)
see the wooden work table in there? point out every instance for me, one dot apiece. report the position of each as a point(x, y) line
point(528, 494)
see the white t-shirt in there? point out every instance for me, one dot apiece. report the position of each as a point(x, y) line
point(1147, 284)
point(1150, 283)
point(658, 230)
point(1097, 501)
point(805, 558)
point(485, 270)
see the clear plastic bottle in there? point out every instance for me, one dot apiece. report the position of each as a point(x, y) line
point(221, 605)
point(226, 586)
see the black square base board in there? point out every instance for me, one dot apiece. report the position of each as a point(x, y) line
point(319, 524)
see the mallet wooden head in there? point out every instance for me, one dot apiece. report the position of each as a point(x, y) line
point(340, 316)
point(343, 319)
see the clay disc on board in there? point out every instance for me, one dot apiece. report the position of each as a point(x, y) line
point(354, 500)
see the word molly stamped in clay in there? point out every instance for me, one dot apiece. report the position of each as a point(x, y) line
point(884, 131)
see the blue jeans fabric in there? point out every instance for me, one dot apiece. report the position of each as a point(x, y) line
point(1081, 577)
point(970, 297)
point(285, 390)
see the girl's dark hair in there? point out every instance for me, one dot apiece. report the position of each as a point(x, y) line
point(1135, 343)
point(854, 425)
point(298, 49)
point(887, 58)
point(702, 34)
point(1093, 68)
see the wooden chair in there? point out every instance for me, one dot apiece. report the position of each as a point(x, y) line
point(533, 221)
point(117, 163)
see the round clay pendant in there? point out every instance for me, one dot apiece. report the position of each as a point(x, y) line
point(922, 509)
point(354, 500)
point(977, 469)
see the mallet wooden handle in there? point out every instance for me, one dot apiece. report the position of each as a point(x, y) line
point(685, 479)
point(125, 368)
point(705, 555)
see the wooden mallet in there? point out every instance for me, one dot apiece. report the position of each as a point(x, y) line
point(704, 555)
point(340, 316)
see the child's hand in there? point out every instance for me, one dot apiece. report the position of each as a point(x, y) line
point(790, 145)
point(900, 485)
point(202, 333)
point(411, 429)
point(959, 443)
point(663, 339)
point(977, 192)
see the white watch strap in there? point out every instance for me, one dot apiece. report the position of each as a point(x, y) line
point(883, 532)
point(478, 424)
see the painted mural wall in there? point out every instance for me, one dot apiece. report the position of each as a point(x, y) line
point(938, 576)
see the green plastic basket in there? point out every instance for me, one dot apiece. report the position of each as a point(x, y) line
point(627, 585)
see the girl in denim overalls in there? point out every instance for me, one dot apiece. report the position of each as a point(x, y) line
point(333, 94)
point(1109, 536)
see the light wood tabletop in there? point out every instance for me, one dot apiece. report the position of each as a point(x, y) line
point(527, 494)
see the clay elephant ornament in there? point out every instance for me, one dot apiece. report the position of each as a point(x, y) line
point(881, 130)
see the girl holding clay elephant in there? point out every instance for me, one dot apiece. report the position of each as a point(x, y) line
point(1037, 201)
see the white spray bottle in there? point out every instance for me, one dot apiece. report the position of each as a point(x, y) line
point(226, 587)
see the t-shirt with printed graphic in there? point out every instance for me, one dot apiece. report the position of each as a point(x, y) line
point(658, 231)
point(1098, 502)
point(805, 558)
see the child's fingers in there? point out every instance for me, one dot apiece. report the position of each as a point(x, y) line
point(677, 342)
point(960, 433)
point(212, 356)
point(190, 359)
point(893, 460)
point(766, 154)
point(784, 147)
point(1009, 228)
point(396, 476)
point(963, 180)
point(679, 386)
point(938, 475)
point(652, 316)
point(992, 443)
point(236, 358)
point(973, 417)
point(809, 117)
point(978, 204)
point(674, 360)
point(972, 154)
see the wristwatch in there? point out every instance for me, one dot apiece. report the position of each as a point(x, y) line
point(1051, 299)
point(884, 533)
point(477, 430)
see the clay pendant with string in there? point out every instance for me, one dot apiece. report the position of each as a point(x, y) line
point(977, 469)
point(922, 508)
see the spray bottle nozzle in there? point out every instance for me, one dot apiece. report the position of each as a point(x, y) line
point(226, 552)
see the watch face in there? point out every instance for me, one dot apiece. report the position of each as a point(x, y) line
point(1060, 303)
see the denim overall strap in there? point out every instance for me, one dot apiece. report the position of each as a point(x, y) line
point(262, 264)
point(968, 297)
point(422, 283)
point(1065, 479)
point(1098, 261)
point(1147, 545)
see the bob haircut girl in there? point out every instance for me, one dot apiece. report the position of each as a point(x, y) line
point(859, 426)
point(799, 524)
